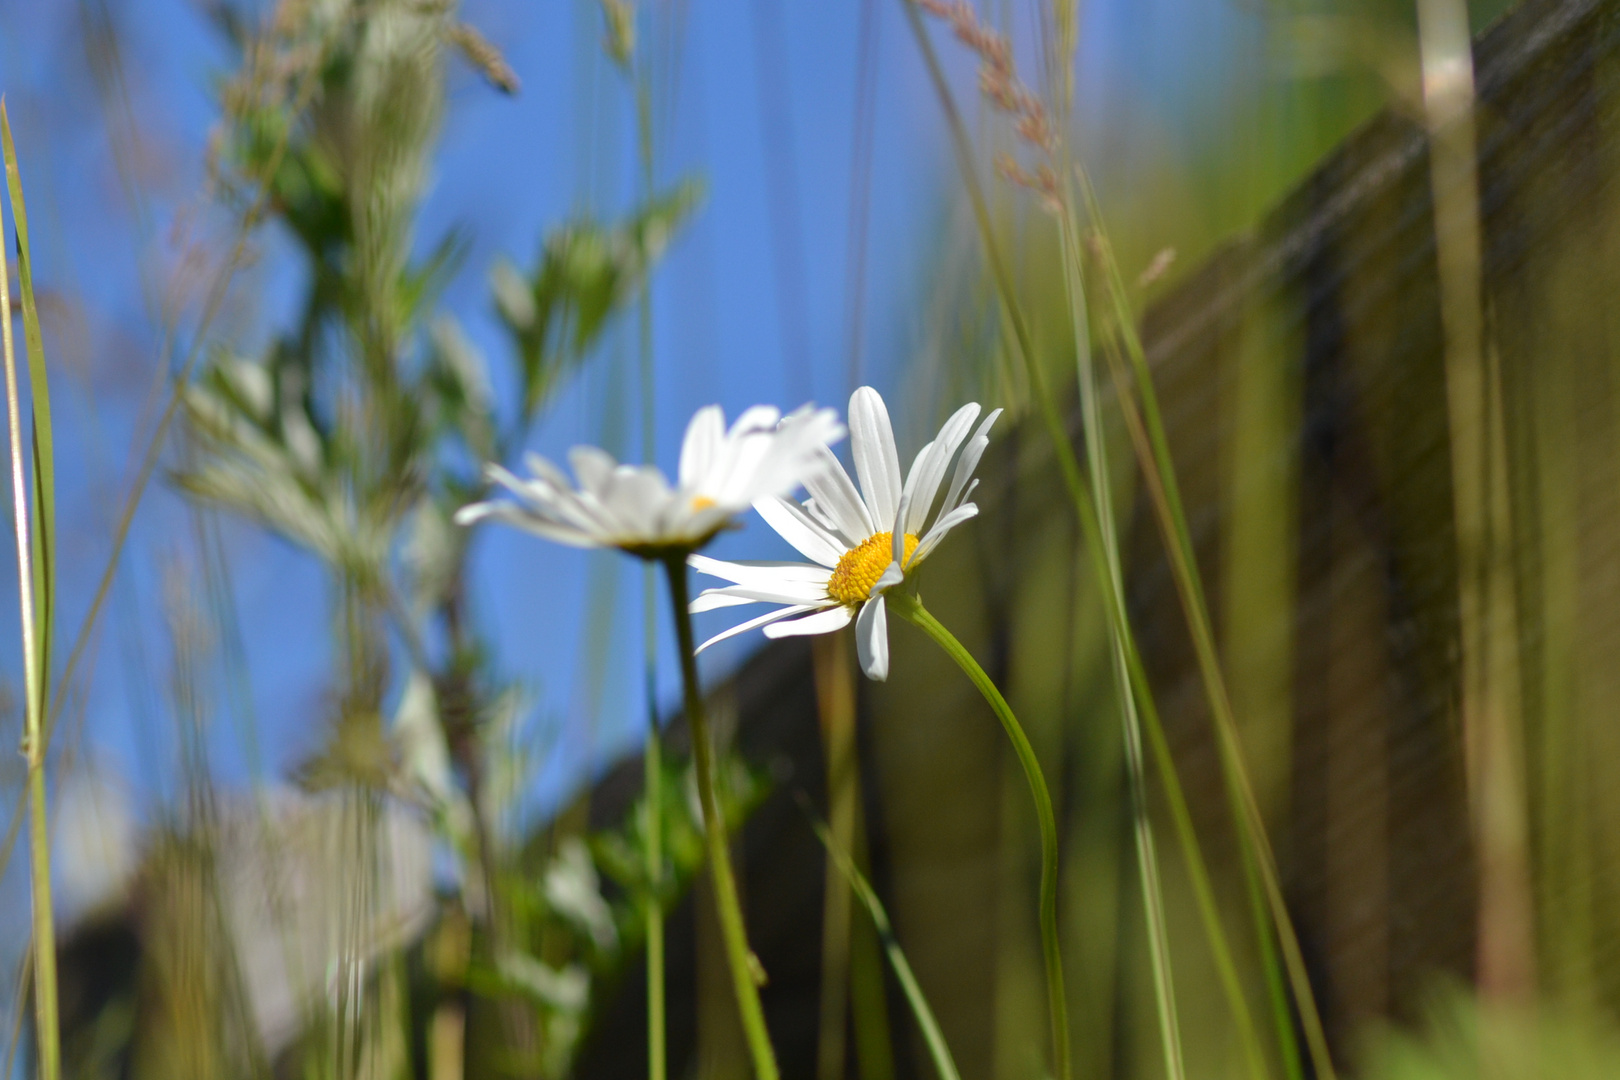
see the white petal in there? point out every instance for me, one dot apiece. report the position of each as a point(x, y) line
point(768, 617)
point(872, 640)
point(558, 504)
point(897, 535)
point(817, 514)
point(836, 496)
point(794, 526)
point(638, 497)
point(913, 474)
point(545, 470)
point(753, 572)
point(785, 593)
point(822, 622)
point(714, 600)
point(701, 525)
point(933, 467)
point(941, 527)
point(593, 466)
point(969, 460)
point(877, 463)
point(756, 418)
point(776, 462)
point(516, 516)
point(551, 496)
point(704, 435)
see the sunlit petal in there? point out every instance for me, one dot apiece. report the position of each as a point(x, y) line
point(768, 617)
point(877, 462)
point(796, 527)
point(872, 640)
point(822, 622)
point(933, 468)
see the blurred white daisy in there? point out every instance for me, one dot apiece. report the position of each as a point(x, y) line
point(634, 508)
point(861, 546)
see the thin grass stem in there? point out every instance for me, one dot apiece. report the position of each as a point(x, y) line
point(652, 751)
point(1164, 986)
point(1079, 490)
point(43, 935)
point(1277, 992)
point(1488, 654)
point(911, 609)
point(746, 974)
point(25, 971)
point(944, 1064)
point(1159, 470)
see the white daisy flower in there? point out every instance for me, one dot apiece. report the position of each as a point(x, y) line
point(861, 546)
point(634, 508)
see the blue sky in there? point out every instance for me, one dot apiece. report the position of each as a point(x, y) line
point(108, 253)
point(508, 169)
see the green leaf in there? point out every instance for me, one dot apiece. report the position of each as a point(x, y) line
point(587, 273)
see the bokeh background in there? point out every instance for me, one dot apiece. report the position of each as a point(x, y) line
point(829, 244)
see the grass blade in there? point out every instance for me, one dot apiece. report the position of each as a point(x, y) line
point(31, 575)
point(43, 510)
point(931, 1033)
point(1153, 450)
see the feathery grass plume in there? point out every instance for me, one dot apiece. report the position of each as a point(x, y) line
point(620, 40)
point(482, 54)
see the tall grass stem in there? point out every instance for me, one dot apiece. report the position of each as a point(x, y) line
point(1488, 652)
point(652, 752)
point(1159, 472)
point(43, 933)
point(1078, 488)
point(746, 975)
point(1147, 860)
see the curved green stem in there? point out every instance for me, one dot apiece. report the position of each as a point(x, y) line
point(911, 609)
point(745, 972)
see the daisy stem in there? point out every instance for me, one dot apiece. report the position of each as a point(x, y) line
point(652, 764)
point(910, 608)
point(745, 971)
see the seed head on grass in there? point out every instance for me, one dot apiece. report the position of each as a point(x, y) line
point(1007, 93)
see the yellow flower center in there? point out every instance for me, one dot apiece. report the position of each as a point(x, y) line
point(861, 566)
point(701, 502)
